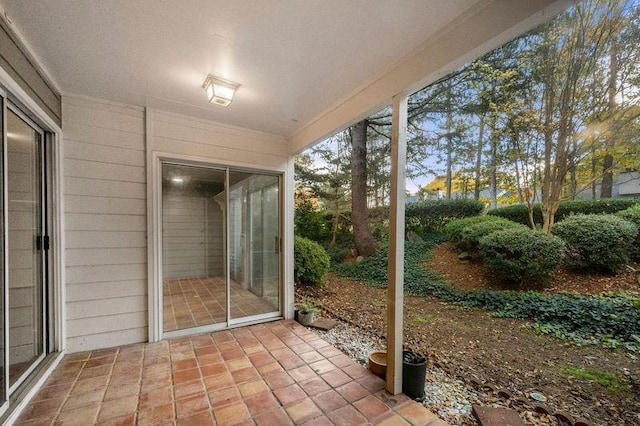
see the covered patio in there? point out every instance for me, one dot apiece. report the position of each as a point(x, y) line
point(277, 373)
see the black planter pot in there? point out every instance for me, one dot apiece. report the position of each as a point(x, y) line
point(413, 375)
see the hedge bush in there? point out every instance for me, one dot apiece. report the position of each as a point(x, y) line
point(519, 213)
point(432, 215)
point(611, 320)
point(310, 261)
point(632, 214)
point(470, 236)
point(454, 228)
point(599, 242)
point(521, 255)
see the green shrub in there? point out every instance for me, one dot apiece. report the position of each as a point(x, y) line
point(470, 236)
point(599, 242)
point(612, 320)
point(521, 255)
point(311, 262)
point(430, 216)
point(337, 254)
point(632, 214)
point(453, 229)
point(519, 213)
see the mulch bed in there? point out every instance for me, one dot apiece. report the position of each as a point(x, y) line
point(500, 351)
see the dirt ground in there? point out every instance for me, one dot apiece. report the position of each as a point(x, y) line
point(502, 352)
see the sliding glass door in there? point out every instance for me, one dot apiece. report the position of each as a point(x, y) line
point(24, 246)
point(220, 232)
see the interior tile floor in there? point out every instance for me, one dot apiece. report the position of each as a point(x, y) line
point(192, 302)
point(272, 374)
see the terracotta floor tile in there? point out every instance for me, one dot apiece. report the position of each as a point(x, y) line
point(272, 418)
point(322, 367)
point(87, 398)
point(301, 348)
point(231, 414)
point(352, 391)
point(121, 391)
point(226, 396)
point(252, 388)
point(303, 410)
point(155, 398)
point(261, 403)
point(329, 401)
point(155, 382)
point(244, 375)
point(159, 415)
point(218, 381)
point(302, 373)
point(289, 394)
point(319, 421)
point(47, 408)
point(239, 364)
point(392, 400)
point(183, 390)
point(318, 344)
point(311, 357)
point(184, 364)
point(347, 415)
point(203, 418)
point(210, 359)
point(336, 378)
point(329, 351)
point(192, 404)
point(92, 384)
point(89, 373)
point(277, 379)
point(390, 419)
point(53, 392)
point(230, 354)
point(260, 358)
point(118, 408)
point(416, 413)
point(372, 383)
point(126, 420)
point(356, 371)
point(289, 363)
point(314, 386)
point(269, 368)
point(371, 406)
point(80, 416)
point(186, 375)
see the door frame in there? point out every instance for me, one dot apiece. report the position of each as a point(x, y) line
point(154, 242)
point(55, 333)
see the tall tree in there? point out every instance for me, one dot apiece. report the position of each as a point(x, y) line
point(365, 243)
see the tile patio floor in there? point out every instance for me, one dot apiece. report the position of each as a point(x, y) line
point(272, 374)
point(192, 302)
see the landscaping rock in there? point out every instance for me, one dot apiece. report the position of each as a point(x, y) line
point(489, 416)
point(563, 418)
point(537, 396)
point(503, 393)
point(464, 256)
point(582, 422)
point(412, 236)
point(325, 324)
point(542, 409)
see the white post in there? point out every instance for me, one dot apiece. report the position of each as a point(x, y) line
point(395, 297)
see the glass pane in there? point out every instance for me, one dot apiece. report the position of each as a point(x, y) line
point(193, 258)
point(254, 244)
point(25, 261)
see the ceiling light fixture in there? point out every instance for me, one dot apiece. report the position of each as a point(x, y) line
point(219, 90)
point(177, 180)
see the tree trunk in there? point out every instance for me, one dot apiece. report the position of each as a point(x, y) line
point(478, 167)
point(606, 189)
point(365, 244)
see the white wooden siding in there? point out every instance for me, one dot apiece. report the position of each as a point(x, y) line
point(105, 224)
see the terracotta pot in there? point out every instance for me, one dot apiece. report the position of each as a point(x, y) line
point(378, 363)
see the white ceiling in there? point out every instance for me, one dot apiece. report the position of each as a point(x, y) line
point(293, 58)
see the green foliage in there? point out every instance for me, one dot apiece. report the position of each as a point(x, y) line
point(310, 261)
point(611, 319)
point(599, 242)
point(603, 378)
point(519, 213)
point(431, 216)
point(337, 254)
point(470, 236)
point(310, 223)
point(521, 255)
point(632, 214)
point(454, 228)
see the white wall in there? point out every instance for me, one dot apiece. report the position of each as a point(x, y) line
point(105, 193)
point(105, 221)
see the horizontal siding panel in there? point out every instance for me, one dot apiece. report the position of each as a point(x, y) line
point(105, 324)
point(101, 116)
point(103, 307)
point(104, 222)
point(107, 340)
point(105, 188)
point(108, 290)
point(238, 140)
point(104, 154)
point(107, 137)
point(222, 154)
point(109, 256)
point(98, 239)
point(104, 205)
point(104, 171)
point(105, 273)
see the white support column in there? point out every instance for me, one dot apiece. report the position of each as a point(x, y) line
point(395, 296)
